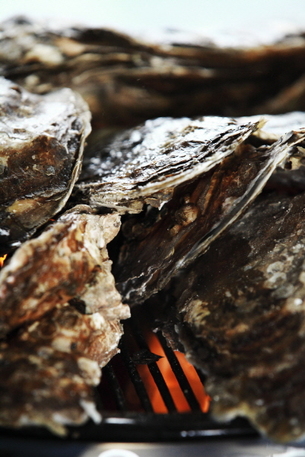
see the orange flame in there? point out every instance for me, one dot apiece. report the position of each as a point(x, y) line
point(2, 259)
point(171, 381)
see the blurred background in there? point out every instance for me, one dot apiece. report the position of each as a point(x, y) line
point(200, 16)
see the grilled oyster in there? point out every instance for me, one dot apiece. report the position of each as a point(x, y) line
point(194, 176)
point(242, 317)
point(45, 386)
point(126, 80)
point(49, 368)
point(68, 260)
point(145, 164)
point(60, 316)
point(41, 146)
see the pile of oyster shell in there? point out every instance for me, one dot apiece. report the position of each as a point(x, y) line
point(202, 199)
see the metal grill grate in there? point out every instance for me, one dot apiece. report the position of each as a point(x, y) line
point(135, 353)
point(124, 396)
point(125, 391)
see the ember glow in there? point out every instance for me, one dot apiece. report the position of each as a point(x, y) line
point(2, 259)
point(172, 383)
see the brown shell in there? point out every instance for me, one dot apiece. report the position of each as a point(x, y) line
point(66, 261)
point(68, 330)
point(41, 146)
point(52, 354)
point(127, 80)
point(42, 386)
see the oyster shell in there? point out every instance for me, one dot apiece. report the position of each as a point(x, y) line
point(144, 165)
point(60, 322)
point(126, 80)
point(49, 368)
point(42, 385)
point(77, 267)
point(41, 146)
point(195, 176)
point(242, 317)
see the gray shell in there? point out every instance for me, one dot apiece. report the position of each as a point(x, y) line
point(145, 164)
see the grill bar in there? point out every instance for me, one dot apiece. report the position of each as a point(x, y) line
point(180, 376)
point(133, 419)
point(116, 390)
point(136, 378)
point(153, 368)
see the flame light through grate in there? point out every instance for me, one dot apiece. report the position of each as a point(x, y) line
point(180, 377)
point(2, 260)
point(149, 376)
point(148, 392)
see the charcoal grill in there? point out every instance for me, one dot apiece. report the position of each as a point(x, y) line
point(131, 424)
point(132, 414)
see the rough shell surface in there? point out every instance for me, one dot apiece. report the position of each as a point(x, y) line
point(41, 147)
point(145, 164)
point(242, 317)
point(68, 260)
point(42, 386)
point(52, 349)
point(126, 80)
point(69, 330)
point(196, 178)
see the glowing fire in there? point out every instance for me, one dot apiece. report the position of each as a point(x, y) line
point(172, 383)
point(2, 259)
